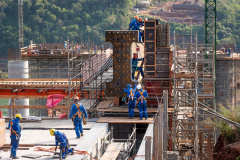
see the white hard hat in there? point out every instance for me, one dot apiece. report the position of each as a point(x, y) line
point(139, 86)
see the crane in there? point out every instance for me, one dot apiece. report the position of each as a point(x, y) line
point(20, 25)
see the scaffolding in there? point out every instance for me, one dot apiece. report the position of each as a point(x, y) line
point(88, 70)
point(194, 88)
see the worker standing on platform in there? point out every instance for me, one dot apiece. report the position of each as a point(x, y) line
point(131, 99)
point(134, 26)
point(134, 65)
point(77, 113)
point(15, 134)
point(229, 52)
point(141, 96)
point(141, 23)
point(64, 145)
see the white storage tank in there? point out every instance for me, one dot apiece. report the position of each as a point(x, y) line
point(18, 69)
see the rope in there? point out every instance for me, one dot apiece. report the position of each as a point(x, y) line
point(139, 156)
point(52, 150)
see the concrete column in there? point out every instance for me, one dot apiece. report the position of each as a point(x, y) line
point(18, 69)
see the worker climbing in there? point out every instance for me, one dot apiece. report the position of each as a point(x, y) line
point(130, 99)
point(135, 25)
point(15, 134)
point(63, 143)
point(77, 114)
point(135, 68)
point(141, 96)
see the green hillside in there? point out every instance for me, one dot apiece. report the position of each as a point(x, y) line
point(52, 21)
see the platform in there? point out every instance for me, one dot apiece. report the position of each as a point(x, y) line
point(124, 120)
point(125, 110)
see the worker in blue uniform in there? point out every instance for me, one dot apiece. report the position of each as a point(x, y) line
point(135, 68)
point(141, 23)
point(229, 52)
point(77, 113)
point(134, 25)
point(131, 99)
point(141, 96)
point(15, 134)
point(63, 143)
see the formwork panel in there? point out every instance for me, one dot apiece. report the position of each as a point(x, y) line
point(2, 132)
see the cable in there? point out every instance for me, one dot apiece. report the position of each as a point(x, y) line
point(139, 156)
point(52, 150)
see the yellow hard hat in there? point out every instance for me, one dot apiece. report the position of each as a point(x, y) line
point(18, 116)
point(52, 132)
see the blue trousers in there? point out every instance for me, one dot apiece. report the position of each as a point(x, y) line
point(131, 106)
point(65, 151)
point(142, 109)
point(78, 126)
point(137, 69)
point(14, 144)
point(140, 36)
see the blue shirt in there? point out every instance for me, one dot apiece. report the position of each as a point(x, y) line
point(135, 62)
point(138, 94)
point(133, 25)
point(15, 126)
point(60, 138)
point(74, 110)
point(128, 91)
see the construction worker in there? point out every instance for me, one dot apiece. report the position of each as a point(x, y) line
point(141, 23)
point(131, 99)
point(95, 49)
point(77, 113)
point(134, 26)
point(229, 52)
point(141, 96)
point(64, 145)
point(135, 68)
point(15, 134)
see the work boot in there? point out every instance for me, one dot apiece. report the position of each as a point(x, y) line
point(78, 137)
point(81, 134)
point(72, 151)
point(146, 118)
point(140, 118)
point(15, 157)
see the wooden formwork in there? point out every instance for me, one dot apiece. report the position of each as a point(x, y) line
point(2, 132)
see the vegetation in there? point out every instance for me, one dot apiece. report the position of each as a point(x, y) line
point(4, 102)
point(52, 21)
point(228, 131)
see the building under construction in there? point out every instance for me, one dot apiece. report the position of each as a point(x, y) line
point(185, 82)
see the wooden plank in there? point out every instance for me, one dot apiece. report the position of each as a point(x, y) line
point(23, 97)
point(33, 80)
point(124, 120)
point(116, 101)
point(104, 104)
point(112, 151)
point(125, 110)
point(148, 147)
point(35, 107)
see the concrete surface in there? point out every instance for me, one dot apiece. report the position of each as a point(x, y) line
point(42, 138)
point(87, 143)
point(141, 150)
point(56, 123)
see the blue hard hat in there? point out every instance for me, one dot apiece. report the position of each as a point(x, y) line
point(129, 86)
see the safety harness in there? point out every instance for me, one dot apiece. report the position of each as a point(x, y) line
point(131, 95)
point(79, 113)
point(141, 97)
point(15, 133)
